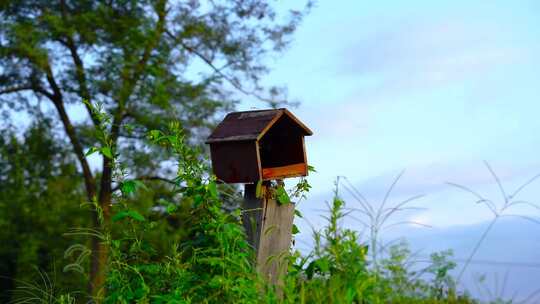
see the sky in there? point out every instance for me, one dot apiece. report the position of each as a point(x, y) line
point(434, 88)
point(430, 87)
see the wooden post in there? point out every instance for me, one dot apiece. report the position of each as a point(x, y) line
point(269, 230)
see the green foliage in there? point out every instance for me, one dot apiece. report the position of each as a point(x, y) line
point(143, 64)
point(190, 250)
point(276, 190)
point(281, 195)
point(39, 201)
point(128, 214)
point(211, 262)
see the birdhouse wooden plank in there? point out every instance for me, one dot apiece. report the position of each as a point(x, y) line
point(259, 145)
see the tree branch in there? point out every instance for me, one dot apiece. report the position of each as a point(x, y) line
point(217, 70)
point(16, 89)
point(84, 92)
point(41, 90)
point(129, 83)
point(30, 87)
point(125, 92)
point(80, 74)
point(156, 178)
point(150, 178)
point(57, 99)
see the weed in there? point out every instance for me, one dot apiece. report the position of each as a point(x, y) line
point(498, 210)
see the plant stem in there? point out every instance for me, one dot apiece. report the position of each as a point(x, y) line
point(477, 246)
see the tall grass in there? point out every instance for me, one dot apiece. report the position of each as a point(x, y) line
point(376, 216)
point(41, 291)
point(498, 209)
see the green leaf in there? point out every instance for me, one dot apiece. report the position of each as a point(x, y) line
point(197, 200)
point(258, 189)
point(140, 184)
point(311, 169)
point(91, 151)
point(295, 229)
point(298, 213)
point(129, 128)
point(171, 208)
point(128, 187)
point(136, 216)
point(212, 188)
point(282, 195)
point(106, 151)
point(154, 134)
point(120, 215)
point(130, 214)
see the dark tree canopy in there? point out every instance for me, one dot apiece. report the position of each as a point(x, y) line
point(39, 191)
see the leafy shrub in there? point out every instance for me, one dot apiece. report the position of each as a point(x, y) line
point(211, 264)
point(209, 260)
point(39, 200)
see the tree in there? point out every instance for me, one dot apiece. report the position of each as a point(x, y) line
point(38, 188)
point(146, 62)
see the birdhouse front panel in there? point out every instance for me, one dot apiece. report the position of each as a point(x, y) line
point(258, 145)
point(235, 162)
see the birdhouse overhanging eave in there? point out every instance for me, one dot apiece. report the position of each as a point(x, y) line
point(251, 125)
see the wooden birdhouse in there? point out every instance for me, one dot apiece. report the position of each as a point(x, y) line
point(259, 145)
point(263, 145)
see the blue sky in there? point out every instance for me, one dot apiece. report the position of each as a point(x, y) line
point(433, 87)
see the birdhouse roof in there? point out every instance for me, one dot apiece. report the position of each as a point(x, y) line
point(251, 125)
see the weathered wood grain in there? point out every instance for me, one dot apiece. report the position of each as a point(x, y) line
point(252, 215)
point(275, 242)
point(268, 228)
